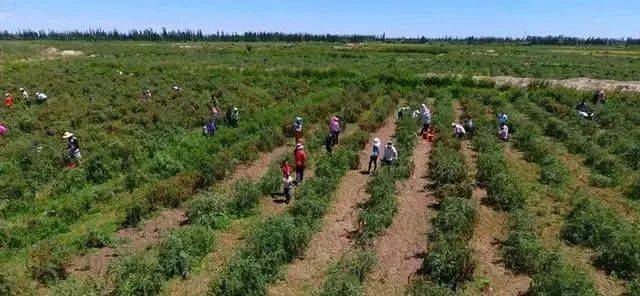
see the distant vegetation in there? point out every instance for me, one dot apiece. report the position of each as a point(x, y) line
point(198, 35)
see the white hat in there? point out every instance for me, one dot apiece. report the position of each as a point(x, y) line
point(235, 108)
point(376, 142)
point(389, 143)
point(299, 146)
point(67, 135)
point(22, 88)
point(7, 94)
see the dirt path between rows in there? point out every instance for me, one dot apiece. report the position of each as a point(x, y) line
point(401, 247)
point(490, 230)
point(152, 231)
point(550, 213)
point(579, 83)
point(307, 273)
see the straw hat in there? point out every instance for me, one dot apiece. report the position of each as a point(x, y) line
point(67, 135)
point(376, 142)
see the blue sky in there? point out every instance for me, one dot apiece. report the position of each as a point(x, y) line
point(613, 18)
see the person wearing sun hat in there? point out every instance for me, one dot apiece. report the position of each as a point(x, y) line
point(390, 154)
point(300, 159)
point(73, 148)
point(373, 158)
point(3, 130)
point(25, 94)
point(8, 101)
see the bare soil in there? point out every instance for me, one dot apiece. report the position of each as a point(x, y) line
point(307, 273)
point(401, 247)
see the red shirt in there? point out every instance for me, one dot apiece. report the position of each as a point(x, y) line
point(286, 170)
point(8, 101)
point(300, 158)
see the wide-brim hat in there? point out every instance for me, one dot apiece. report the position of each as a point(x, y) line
point(376, 142)
point(67, 135)
point(21, 89)
point(299, 146)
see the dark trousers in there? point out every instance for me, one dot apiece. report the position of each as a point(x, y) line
point(425, 128)
point(334, 137)
point(299, 174)
point(287, 194)
point(374, 160)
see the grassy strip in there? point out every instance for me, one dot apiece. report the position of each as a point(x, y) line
point(376, 214)
point(522, 251)
point(449, 262)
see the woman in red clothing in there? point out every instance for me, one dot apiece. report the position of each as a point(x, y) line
point(286, 168)
point(301, 162)
point(8, 102)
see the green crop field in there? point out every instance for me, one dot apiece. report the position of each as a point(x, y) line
point(157, 208)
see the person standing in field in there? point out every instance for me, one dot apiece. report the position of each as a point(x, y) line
point(426, 119)
point(504, 132)
point(334, 129)
point(3, 130)
point(285, 168)
point(328, 143)
point(599, 98)
point(73, 148)
point(287, 184)
point(8, 101)
point(502, 118)
point(300, 158)
point(458, 130)
point(373, 158)
point(469, 126)
point(25, 94)
point(583, 110)
point(233, 117)
point(390, 154)
point(297, 129)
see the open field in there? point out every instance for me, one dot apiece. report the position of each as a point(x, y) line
point(156, 208)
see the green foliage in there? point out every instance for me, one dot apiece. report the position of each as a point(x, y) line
point(633, 192)
point(422, 287)
point(175, 190)
point(346, 276)
point(73, 287)
point(553, 172)
point(207, 209)
point(97, 172)
point(5, 286)
point(601, 181)
point(449, 262)
point(137, 274)
point(246, 195)
point(562, 280)
point(46, 262)
point(456, 218)
point(183, 249)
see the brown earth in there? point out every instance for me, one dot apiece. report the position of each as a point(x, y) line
point(491, 229)
point(152, 231)
point(400, 248)
point(307, 273)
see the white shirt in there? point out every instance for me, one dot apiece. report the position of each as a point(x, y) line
point(390, 153)
point(288, 181)
point(25, 94)
point(41, 97)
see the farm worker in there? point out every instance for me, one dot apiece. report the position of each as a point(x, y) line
point(426, 120)
point(233, 117)
point(146, 94)
point(176, 88)
point(73, 148)
point(8, 101)
point(297, 128)
point(328, 143)
point(25, 94)
point(458, 130)
point(469, 126)
point(210, 128)
point(3, 130)
point(41, 97)
point(415, 114)
point(334, 129)
point(390, 154)
point(599, 97)
point(288, 183)
point(49, 132)
point(424, 109)
point(402, 111)
point(583, 110)
point(375, 152)
point(504, 132)
point(301, 162)
point(286, 168)
point(502, 118)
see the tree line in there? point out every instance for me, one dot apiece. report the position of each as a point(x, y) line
point(221, 36)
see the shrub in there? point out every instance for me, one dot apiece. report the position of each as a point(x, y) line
point(73, 287)
point(634, 288)
point(207, 209)
point(135, 213)
point(243, 277)
point(347, 276)
point(523, 252)
point(246, 195)
point(95, 239)
point(165, 166)
point(456, 218)
point(5, 286)
point(601, 181)
point(505, 192)
point(562, 280)
point(423, 287)
point(46, 263)
point(183, 249)
point(138, 274)
point(96, 171)
point(589, 225)
point(172, 192)
point(447, 166)
point(634, 190)
point(449, 262)
point(553, 172)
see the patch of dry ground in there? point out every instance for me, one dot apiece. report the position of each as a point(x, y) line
point(307, 273)
point(400, 248)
